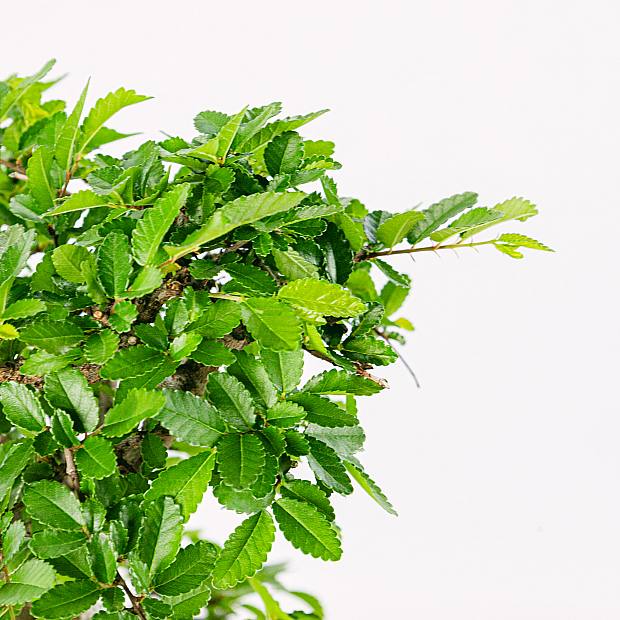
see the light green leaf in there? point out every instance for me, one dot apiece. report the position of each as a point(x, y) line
point(103, 110)
point(23, 308)
point(156, 220)
point(131, 362)
point(68, 389)
point(344, 440)
point(161, 533)
point(67, 140)
point(240, 212)
point(515, 208)
point(192, 566)
point(20, 90)
point(284, 368)
point(240, 459)
point(307, 529)
point(285, 414)
point(186, 482)
point(68, 261)
point(393, 230)
point(232, 400)
point(369, 485)
point(467, 221)
point(274, 325)
point(146, 281)
point(22, 407)
point(245, 551)
point(101, 346)
point(183, 345)
point(103, 556)
point(521, 241)
point(341, 382)
point(39, 178)
point(368, 349)
point(135, 407)
point(114, 264)
point(32, 579)
point(86, 199)
point(96, 459)
point(219, 319)
point(12, 539)
point(123, 314)
point(53, 336)
point(12, 464)
point(67, 600)
point(53, 504)
point(62, 429)
point(293, 266)
point(55, 543)
point(212, 353)
point(190, 418)
point(321, 297)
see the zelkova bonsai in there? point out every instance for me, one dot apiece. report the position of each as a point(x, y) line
point(155, 314)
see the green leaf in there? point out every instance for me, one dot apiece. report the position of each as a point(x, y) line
point(103, 556)
point(14, 461)
point(22, 407)
point(305, 491)
point(212, 353)
point(53, 336)
point(284, 153)
point(209, 122)
point(32, 579)
point(321, 297)
point(123, 314)
point(67, 140)
point(156, 220)
point(135, 407)
point(253, 375)
point(392, 297)
point(12, 540)
point(240, 212)
point(192, 566)
point(186, 482)
point(22, 88)
point(232, 400)
point(467, 221)
point(62, 429)
point(190, 418)
point(341, 382)
point(323, 411)
point(54, 543)
point(218, 320)
point(23, 308)
point(240, 459)
point(68, 261)
point(249, 280)
point(101, 346)
point(182, 346)
point(67, 600)
point(103, 110)
point(146, 281)
point(514, 240)
point(161, 533)
point(53, 504)
point(86, 199)
point(393, 230)
point(515, 208)
point(368, 349)
point(131, 362)
point(439, 213)
point(293, 266)
point(114, 264)
point(307, 529)
point(284, 368)
point(285, 415)
point(245, 551)
point(68, 389)
point(39, 178)
point(344, 440)
point(96, 459)
point(272, 324)
point(327, 467)
point(369, 485)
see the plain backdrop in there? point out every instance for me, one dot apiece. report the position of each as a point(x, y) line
point(504, 466)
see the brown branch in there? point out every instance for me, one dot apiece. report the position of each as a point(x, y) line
point(73, 481)
point(12, 166)
point(428, 248)
point(135, 601)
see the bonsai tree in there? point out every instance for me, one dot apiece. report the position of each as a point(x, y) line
point(156, 310)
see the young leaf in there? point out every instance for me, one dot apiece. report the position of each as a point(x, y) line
point(96, 459)
point(151, 229)
point(240, 459)
point(160, 536)
point(40, 180)
point(369, 485)
point(67, 600)
point(22, 407)
point(284, 153)
point(114, 264)
point(245, 551)
point(53, 504)
point(320, 297)
point(68, 261)
point(394, 229)
point(67, 140)
point(186, 482)
point(272, 324)
point(513, 209)
point(32, 579)
point(293, 265)
point(307, 529)
point(232, 400)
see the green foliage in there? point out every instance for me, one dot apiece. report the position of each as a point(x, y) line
point(156, 311)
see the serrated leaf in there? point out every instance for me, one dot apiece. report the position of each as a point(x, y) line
point(521, 241)
point(53, 504)
point(53, 336)
point(307, 529)
point(12, 540)
point(54, 543)
point(285, 414)
point(245, 551)
point(13, 462)
point(191, 567)
point(103, 557)
point(32, 579)
point(123, 314)
point(212, 353)
point(151, 229)
point(135, 407)
point(251, 372)
point(284, 368)
point(101, 346)
point(96, 459)
point(146, 281)
point(86, 199)
point(305, 491)
point(11, 98)
point(131, 362)
point(190, 418)
point(68, 389)
point(22, 407)
point(344, 440)
point(240, 459)
point(218, 320)
point(293, 266)
point(67, 140)
point(321, 297)
point(161, 533)
point(186, 482)
point(368, 349)
point(23, 308)
point(182, 346)
point(323, 411)
point(341, 382)
point(272, 324)
point(515, 208)
point(67, 600)
point(39, 178)
point(114, 264)
point(369, 485)
point(284, 153)
point(467, 221)
point(327, 467)
point(240, 212)
point(394, 229)
point(232, 400)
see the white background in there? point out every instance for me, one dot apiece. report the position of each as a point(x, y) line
point(504, 466)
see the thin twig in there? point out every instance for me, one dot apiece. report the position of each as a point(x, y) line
point(135, 602)
point(12, 166)
point(428, 248)
point(400, 357)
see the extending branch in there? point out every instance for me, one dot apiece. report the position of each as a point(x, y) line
point(135, 601)
point(428, 248)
